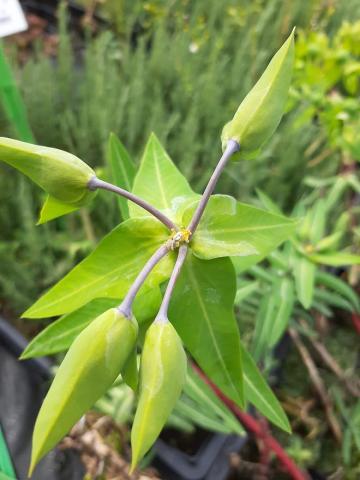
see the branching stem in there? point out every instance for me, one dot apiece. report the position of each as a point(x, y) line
point(162, 316)
point(126, 305)
point(96, 183)
point(231, 148)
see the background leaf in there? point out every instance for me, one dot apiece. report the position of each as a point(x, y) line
point(202, 312)
point(123, 170)
point(260, 394)
point(109, 270)
point(304, 271)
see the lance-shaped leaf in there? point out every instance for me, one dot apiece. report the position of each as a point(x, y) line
point(109, 270)
point(260, 394)
point(87, 371)
point(260, 112)
point(62, 175)
point(162, 377)
point(123, 170)
point(336, 259)
point(201, 310)
point(159, 182)
point(59, 335)
point(304, 272)
point(230, 228)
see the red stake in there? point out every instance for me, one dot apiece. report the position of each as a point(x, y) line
point(255, 427)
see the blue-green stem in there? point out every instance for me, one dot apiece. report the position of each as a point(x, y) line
point(96, 183)
point(162, 316)
point(231, 148)
point(126, 305)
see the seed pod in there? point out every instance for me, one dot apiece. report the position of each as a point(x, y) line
point(89, 368)
point(162, 377)
point(61, 174)
point(260, 112)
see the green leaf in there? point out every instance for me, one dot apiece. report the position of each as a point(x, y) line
point(123, 170)
point(229, 228)
point(268, 203)
point(87, 371)
point(260, 394)
point(60, 174)
point(284, 299)
point(6, 466)
point(304, 273)
point(246, 290)
point(263, 325)
point(109, 270)
point(53, 208)
point(318, 218)
point(260, 112)
point(339, 286)
point(201, 310)
point(59, 335)
point(336, 259)
point(206, 400)
point(159, 182)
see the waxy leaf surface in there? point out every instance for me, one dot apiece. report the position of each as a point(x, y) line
point(53, 208)
point(87, 371)
point(260, 394)
point(261, 110)
point(202, 312)
point(159, 182)
point(230, 228)
point(109, 270)
point(162, 377)
point(123, 170)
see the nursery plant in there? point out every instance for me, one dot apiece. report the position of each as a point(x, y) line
point(170, 234)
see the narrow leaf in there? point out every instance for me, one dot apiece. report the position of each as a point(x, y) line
point(123, 170)
point(339, 286)
point(202, 312)
point(336, 259)
point(304, 272)
point(260, 394)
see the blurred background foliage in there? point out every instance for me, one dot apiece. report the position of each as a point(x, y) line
point(180, 69)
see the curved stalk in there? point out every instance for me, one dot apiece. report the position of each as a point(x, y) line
point(231, 148)
point(126, 305)
point(162, 316)
point(96, 183)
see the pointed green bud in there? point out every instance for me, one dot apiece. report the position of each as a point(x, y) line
point(88, 370)
point(162, 377)
point(62, 175)
point(260, 112)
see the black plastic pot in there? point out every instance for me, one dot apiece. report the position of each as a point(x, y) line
point(211, 462)
point(22, 388)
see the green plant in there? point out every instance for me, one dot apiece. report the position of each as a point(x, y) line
point(205, 230)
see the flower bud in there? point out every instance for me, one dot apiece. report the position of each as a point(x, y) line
point(89, 368)
point(61, 174)
point(162, 377)
point(260, 112)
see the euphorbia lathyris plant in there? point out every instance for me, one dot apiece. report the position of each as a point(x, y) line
point(169, 232)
